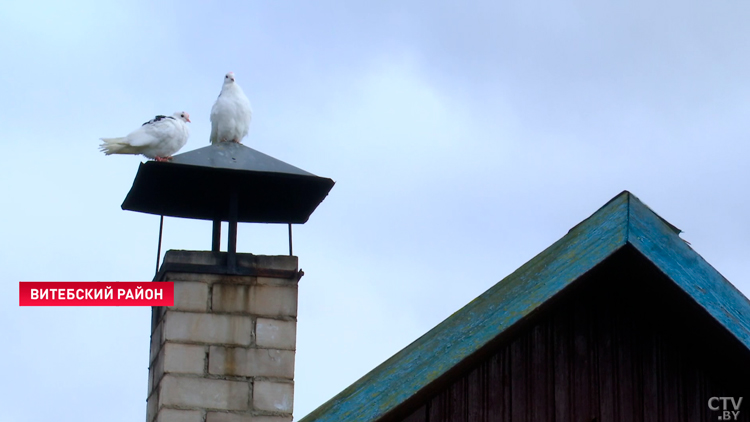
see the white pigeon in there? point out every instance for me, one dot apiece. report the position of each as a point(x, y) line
point(158, 138)
point(231, 113)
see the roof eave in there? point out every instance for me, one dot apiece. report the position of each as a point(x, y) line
point(662, 245)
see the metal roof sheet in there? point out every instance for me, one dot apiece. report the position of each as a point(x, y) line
point(231, 155)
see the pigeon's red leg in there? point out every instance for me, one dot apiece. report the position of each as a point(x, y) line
point(162, 159)
point(236, 141)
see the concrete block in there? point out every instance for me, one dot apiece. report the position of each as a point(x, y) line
point(204, 393)
point(273, 281)
point(260, 300)
point(156, 370)
point(273, 396)
point(190, 296)
point(234, 417)
point(274, 301)
point(178, 256)
point(184, 358)
point(156, 340)
point(239, 361)
point(209, 278)
point(276, 334)
point(150, 381)
point(152, 406)
point(208, 328)
point(175, 415)
point(231, 298)
point(275, 262)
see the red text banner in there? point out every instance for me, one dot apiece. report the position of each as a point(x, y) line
point(95, 293)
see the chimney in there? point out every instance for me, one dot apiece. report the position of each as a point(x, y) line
point(225, 351)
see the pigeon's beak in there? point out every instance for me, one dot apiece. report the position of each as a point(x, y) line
point(188, 119)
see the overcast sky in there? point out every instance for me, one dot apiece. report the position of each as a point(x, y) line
point(463, 139)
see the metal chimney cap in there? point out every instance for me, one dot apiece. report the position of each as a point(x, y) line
point(198, 184)
point(231, 155)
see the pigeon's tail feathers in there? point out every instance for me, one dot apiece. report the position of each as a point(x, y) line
point(111, 146)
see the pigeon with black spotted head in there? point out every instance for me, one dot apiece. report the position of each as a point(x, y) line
point(231, 113)
point(159, 138)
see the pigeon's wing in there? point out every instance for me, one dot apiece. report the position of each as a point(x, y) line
point(158, 118)
point(153, 132)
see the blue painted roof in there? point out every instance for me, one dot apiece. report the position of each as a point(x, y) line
point(623, 220)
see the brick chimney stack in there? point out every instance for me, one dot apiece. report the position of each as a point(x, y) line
point(225, 351)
